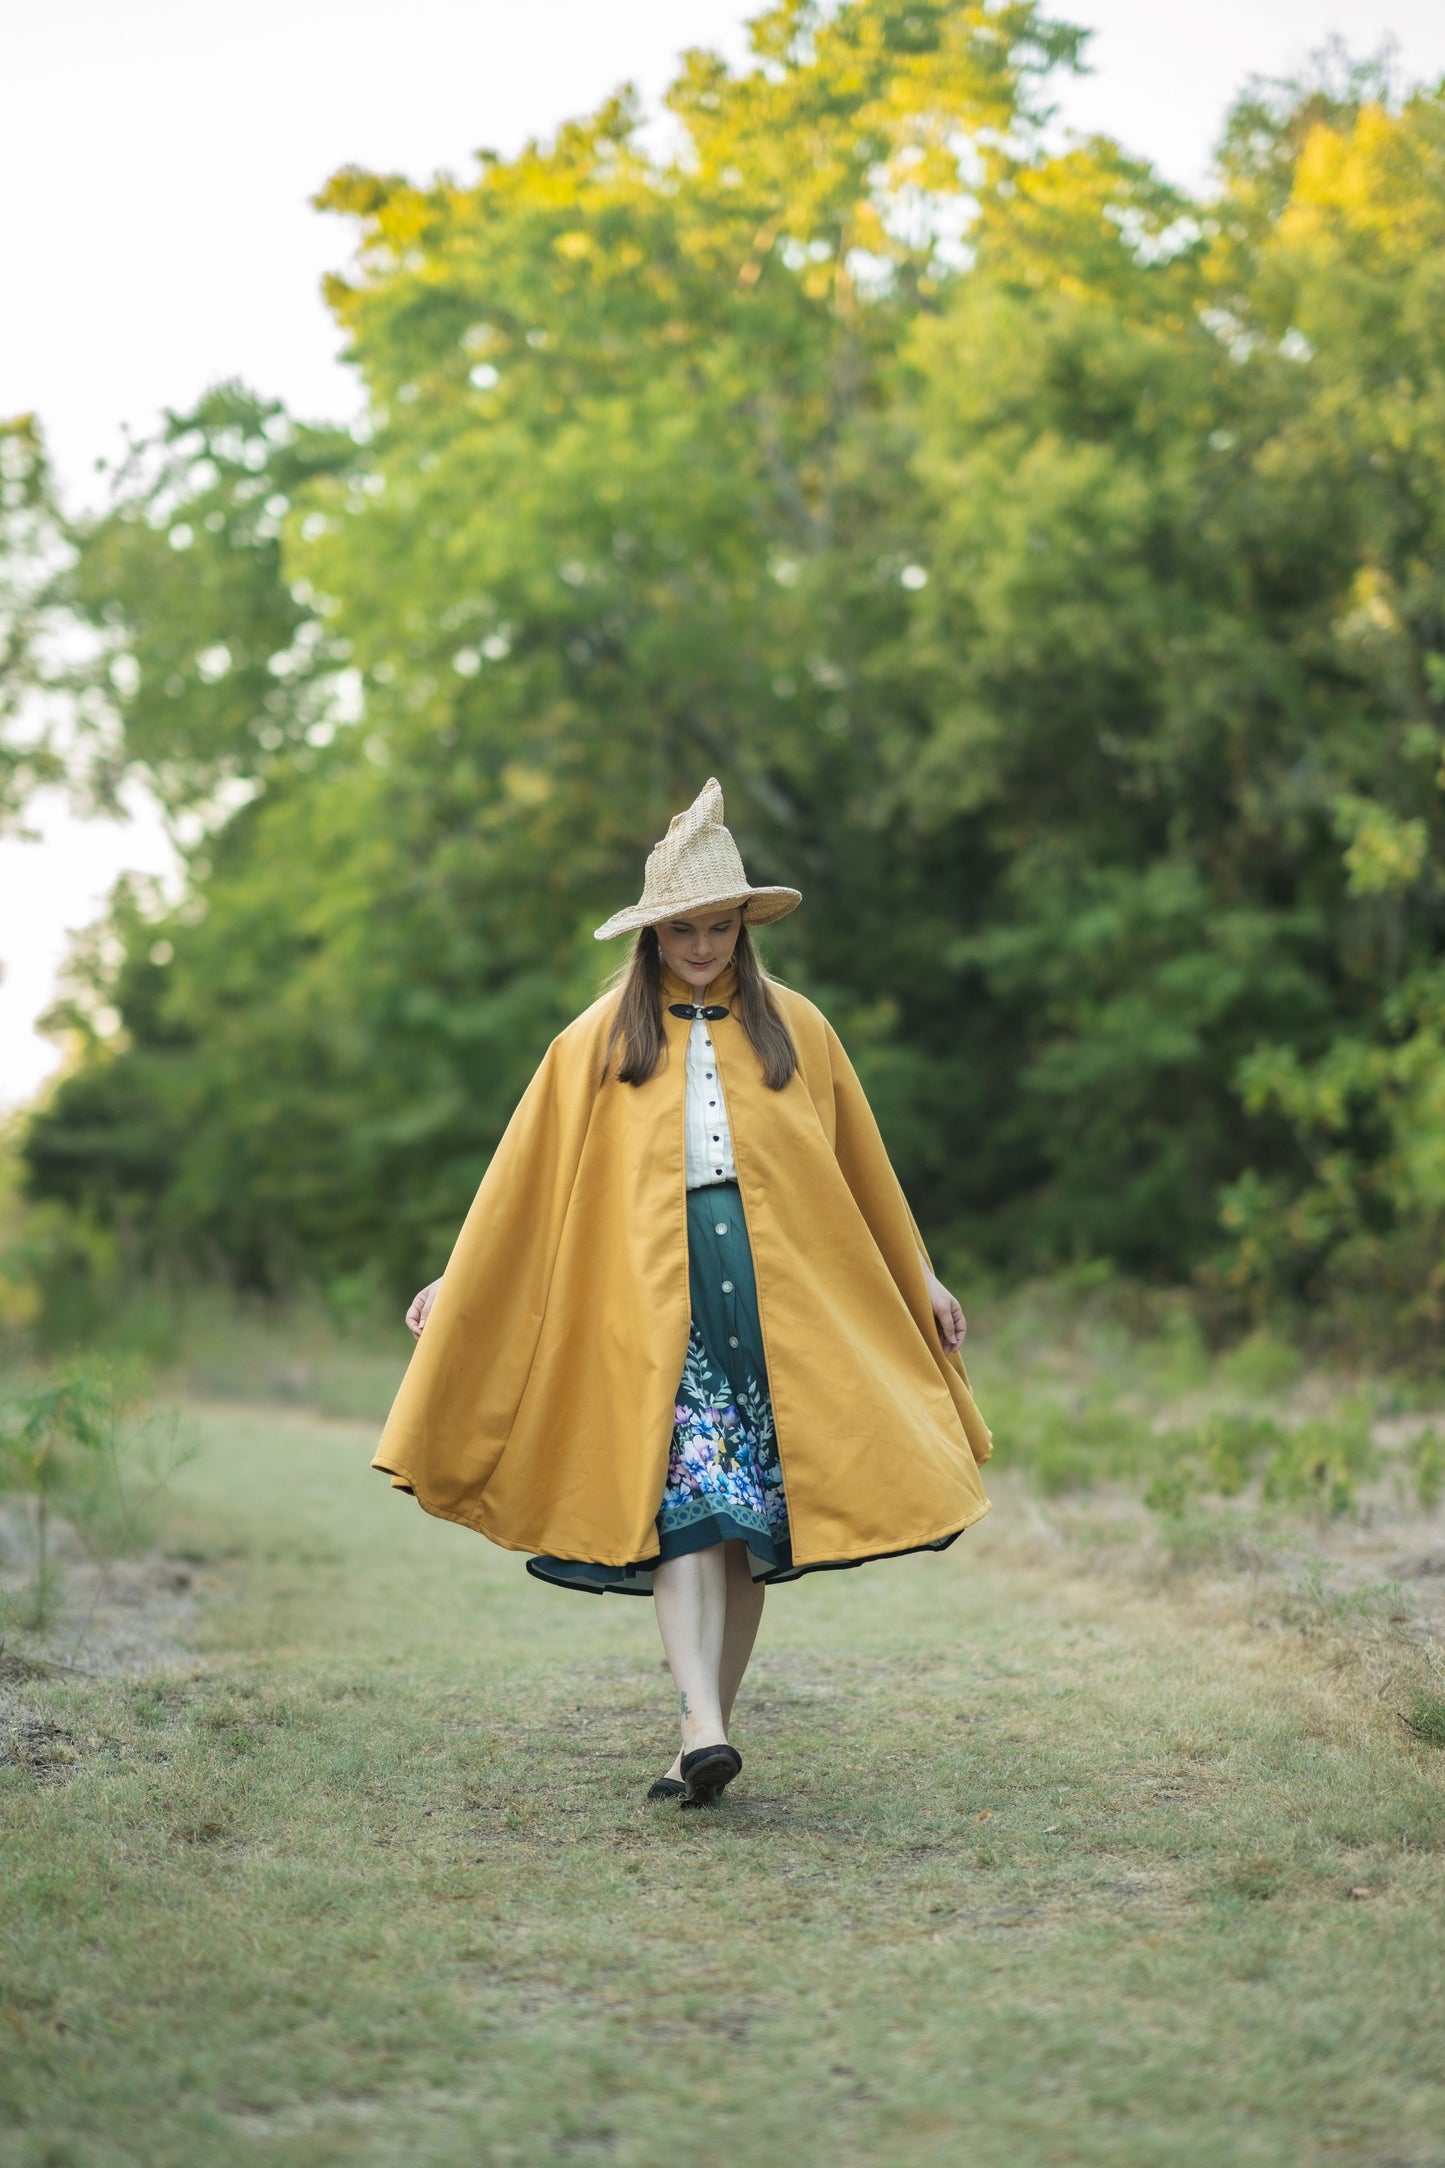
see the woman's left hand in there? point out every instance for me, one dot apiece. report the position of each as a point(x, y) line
point(952, 1324)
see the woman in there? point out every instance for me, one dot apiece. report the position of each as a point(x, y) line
point(689, 1340)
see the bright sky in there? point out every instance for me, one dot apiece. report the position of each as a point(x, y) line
point(158, 157)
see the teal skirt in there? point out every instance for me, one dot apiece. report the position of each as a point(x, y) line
point(724, 1479)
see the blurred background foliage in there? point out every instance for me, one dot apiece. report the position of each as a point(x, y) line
point(1051, 567)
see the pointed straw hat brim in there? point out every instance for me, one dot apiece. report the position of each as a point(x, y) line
point(763, 905)
point(696, 867)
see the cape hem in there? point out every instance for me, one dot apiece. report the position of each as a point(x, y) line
point(778, 1575)
point(794, 1572)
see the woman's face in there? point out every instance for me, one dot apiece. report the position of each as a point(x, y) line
point(699, 947)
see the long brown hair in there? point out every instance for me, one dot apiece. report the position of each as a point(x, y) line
point(638, 1020)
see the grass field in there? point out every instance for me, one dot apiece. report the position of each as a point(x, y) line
point(1033, 1860)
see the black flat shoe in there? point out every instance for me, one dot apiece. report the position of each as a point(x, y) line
point(707, 1772)
point(666, 1788)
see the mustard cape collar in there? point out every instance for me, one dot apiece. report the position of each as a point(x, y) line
point(714, 1001)
point(539, 1403)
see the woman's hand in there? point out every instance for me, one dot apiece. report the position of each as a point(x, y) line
point(420, 1310)
point(952, 1324)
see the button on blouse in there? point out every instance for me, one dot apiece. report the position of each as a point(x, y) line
point(705, 1122)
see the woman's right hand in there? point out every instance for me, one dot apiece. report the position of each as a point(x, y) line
point(420, 1310)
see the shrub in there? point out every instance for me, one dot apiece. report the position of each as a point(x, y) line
point(1318, 1464)
point(1321, 1463)
point(1427, 1466)
point(1072, 1445)
point(78, 1443)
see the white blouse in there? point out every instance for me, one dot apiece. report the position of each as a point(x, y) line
point(705, 1118)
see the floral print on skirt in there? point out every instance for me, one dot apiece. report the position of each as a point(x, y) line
point(724, 1478)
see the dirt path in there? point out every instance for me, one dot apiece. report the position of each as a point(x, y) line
point(1029, 1863)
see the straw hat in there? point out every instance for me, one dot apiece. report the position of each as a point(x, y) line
point(693, 868)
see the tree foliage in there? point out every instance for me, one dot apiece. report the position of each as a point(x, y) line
point(1049, 566)
point(28, 756)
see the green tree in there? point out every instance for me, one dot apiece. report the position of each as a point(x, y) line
point(28, 540)
point(1350, 278)
point(1048, 564)
point(618, 522)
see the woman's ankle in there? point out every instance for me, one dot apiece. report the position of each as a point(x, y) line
point(706, 1728)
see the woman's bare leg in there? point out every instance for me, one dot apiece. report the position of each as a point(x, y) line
point(707, 1643)
point(690, 1596)
point(744, 1616)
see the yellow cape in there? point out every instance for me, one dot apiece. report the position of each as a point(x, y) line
point(538, 1406)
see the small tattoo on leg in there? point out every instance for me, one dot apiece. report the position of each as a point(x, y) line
point(685, 1709)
